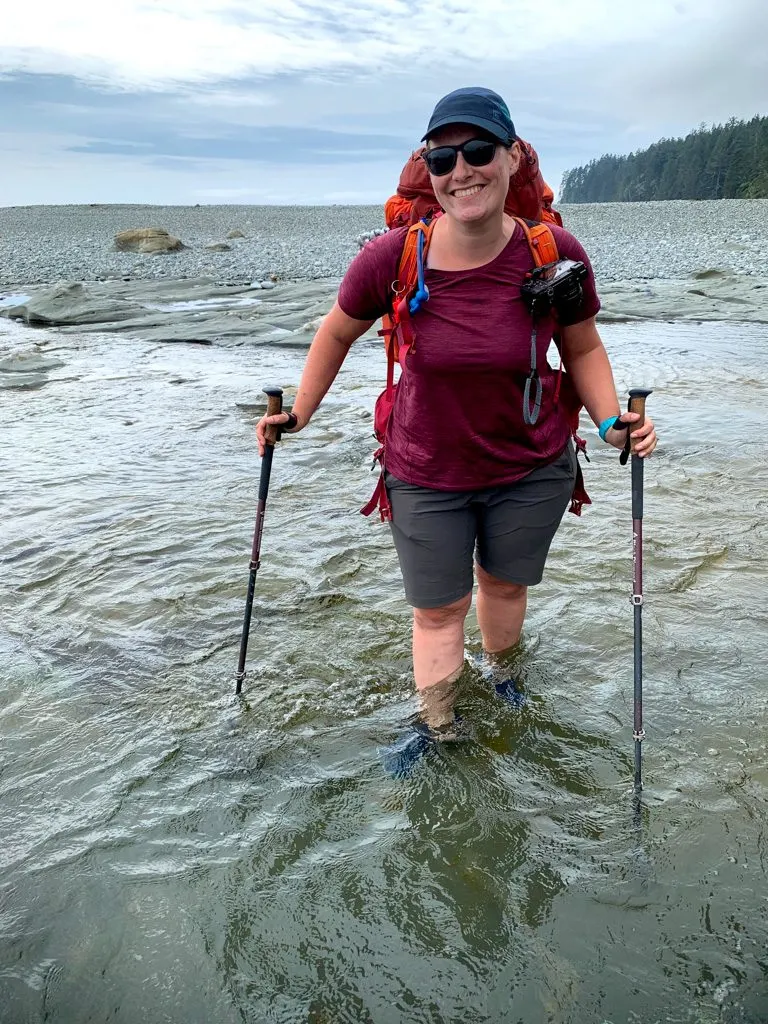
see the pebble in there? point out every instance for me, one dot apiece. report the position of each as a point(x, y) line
point(625, 241)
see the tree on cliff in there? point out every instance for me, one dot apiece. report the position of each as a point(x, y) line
point(726, 161)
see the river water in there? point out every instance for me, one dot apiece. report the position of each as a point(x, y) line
point(171, 853)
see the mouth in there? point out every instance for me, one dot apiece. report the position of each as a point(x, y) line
point(473, 190)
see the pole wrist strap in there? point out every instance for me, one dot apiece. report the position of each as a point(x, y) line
point(613, 421)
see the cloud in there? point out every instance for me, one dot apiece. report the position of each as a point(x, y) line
point(132, 43)
point(247, 97)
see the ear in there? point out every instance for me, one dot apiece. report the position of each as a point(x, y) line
point(515, 157)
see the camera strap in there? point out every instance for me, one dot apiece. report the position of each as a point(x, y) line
point(531, 410)
point(543, 249)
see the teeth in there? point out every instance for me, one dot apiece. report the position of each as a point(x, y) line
point(460, 192)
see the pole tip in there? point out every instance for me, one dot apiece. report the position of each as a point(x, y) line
point(273, 391)
point(640, 392)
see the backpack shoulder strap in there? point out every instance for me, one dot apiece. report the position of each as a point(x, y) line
point(541, 241)
point(408, 269)
point(397, 330)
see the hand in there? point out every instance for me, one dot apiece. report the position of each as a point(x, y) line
point(278, 420)
point(645, 435)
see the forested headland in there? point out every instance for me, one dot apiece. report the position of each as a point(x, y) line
point(726, 161)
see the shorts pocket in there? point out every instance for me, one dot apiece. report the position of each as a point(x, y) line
point(566, 461)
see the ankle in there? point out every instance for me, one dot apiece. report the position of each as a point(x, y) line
point(436, 702)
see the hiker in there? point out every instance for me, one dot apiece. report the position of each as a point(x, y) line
point(468, 467)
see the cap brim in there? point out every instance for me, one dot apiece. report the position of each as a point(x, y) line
point(479, 122)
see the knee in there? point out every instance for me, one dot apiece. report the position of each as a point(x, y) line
point(494, 587)
point(446, 615)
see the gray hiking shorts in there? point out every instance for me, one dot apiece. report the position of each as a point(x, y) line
point(507, 529)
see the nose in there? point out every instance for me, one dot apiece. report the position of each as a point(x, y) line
point(462, 168)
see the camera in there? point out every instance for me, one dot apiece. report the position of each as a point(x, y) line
point(554, 287)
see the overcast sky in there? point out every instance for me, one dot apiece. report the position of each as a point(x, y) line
point(320, 101)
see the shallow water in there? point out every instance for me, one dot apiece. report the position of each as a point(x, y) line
point(170, 853)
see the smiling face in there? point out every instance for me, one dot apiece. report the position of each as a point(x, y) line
point(473, 194)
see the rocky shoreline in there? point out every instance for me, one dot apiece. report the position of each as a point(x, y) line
point(264, 275)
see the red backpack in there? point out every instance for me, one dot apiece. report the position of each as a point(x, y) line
point(529, 196)
point(399, 338)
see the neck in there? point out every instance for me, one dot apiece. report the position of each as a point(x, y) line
point(478, 239)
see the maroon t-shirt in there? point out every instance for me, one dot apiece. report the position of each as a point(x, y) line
point(457, 423)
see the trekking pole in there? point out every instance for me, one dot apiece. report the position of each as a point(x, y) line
point(274, 406)
point(637, 397)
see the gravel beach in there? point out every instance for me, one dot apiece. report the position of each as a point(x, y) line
point(274, 271)
point(626, 241)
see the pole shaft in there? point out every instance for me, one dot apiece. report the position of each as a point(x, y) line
point(637, 602)
point(274, 406)
point(637, 398)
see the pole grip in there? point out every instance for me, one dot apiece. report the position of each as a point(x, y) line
point(274, 406)
point(637, 397)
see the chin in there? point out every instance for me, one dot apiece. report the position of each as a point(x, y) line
point(467, 213)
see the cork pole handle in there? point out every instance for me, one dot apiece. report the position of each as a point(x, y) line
point(637, 397)
point(274, 407)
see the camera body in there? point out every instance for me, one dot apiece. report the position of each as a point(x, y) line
point(555, 287)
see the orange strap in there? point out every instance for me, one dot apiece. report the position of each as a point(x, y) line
point(540, 240)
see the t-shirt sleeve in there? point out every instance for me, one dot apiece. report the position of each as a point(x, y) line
point(366, 289)
point(570, 248)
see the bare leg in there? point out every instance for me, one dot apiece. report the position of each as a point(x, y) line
point(438, 658)
point(500, 611)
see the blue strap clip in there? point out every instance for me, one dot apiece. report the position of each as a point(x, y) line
point(422, 292)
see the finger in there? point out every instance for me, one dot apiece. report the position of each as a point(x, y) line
point(644, 436)
point(646, 447)
point(643, 430)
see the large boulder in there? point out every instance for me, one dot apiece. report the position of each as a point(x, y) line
point(147, 240)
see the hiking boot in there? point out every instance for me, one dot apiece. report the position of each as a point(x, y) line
point(510, 692)
point(400, 758)
point(508, 689)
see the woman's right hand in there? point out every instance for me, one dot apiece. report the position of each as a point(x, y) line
point(278, 420)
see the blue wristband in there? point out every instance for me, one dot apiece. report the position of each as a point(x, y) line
point(605, 426)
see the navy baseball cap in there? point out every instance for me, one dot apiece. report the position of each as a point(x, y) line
point(477, 106)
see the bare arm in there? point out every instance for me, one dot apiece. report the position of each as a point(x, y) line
point(586, 360)
point(327, 352)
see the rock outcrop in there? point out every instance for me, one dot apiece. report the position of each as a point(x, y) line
point(147, 240)
point(69, 303)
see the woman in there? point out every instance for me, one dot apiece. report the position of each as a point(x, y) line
point(466, 472)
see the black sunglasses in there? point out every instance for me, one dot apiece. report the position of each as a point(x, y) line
point(442, 159)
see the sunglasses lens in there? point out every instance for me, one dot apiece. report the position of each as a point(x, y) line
point(479, 152)
point(441, 161)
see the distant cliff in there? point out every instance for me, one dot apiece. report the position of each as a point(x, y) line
point(728, 161)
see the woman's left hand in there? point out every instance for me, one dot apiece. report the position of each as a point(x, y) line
point(644, 437)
